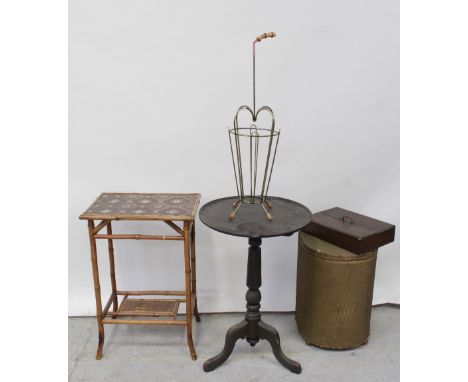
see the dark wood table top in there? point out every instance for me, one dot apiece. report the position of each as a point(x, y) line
point(133, 206)
point(251, 221)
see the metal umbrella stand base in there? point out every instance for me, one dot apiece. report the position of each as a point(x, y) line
point(253, 151)
point(252, 328)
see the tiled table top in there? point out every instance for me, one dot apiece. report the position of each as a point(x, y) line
point(132, 206)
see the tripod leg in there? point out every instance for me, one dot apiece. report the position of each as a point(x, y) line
point(270, 334)
point(233, 334)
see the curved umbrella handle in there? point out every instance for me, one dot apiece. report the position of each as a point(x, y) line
point(258, 39)
point(265, 35)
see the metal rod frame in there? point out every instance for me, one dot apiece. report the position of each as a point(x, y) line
point(254, 134)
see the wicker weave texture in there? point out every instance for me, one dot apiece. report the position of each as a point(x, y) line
point(333, 295)
point(155, 307)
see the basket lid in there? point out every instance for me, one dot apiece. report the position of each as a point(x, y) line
point(349, 230)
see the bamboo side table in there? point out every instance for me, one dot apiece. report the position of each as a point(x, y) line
point(169, 208)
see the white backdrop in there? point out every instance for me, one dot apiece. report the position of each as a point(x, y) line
point(153, 87)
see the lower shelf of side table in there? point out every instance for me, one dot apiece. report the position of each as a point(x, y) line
point(144, 311)
point(135, 310)
point(149, 307)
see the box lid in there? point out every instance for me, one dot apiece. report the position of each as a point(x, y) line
point(350, 230)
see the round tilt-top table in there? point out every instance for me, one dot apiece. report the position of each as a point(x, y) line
point(251, 222)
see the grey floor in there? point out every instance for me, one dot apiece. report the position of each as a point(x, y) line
point(139, 353)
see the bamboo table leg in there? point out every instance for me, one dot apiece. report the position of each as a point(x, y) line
point(194, 277)
point(188, 288)
point(97, 288)
point(115, 303)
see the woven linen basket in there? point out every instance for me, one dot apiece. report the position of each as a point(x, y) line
point(334, 294)
point(336, 262)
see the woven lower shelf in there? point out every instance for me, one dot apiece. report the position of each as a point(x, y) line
point(144, 311)
point(148, 307)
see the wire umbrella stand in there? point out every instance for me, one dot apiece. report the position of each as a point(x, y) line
point(259, 146)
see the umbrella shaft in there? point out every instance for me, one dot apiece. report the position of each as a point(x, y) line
point(254, 84)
